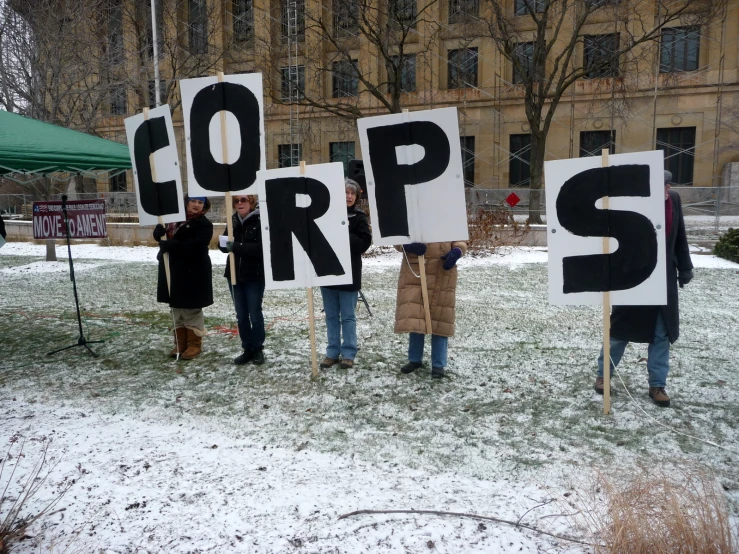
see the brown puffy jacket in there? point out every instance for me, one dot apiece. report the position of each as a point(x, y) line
point(441, 285)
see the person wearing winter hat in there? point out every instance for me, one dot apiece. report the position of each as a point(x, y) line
point(191, 282)
point(248, 291)
point(656, 325)
point(340, 301)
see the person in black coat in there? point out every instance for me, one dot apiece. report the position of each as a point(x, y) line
point(248, 292)
point(657, 325)
point(2, 227)
point(191, 280)
point(340, 301)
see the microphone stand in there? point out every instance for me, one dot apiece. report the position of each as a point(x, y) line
point(81, 341)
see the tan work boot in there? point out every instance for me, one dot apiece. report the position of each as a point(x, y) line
point(659, 396)
point(180, 345)
point(329, 362)
point(194, 345)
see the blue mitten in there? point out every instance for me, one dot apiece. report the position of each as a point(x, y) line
point(417, 248)
point(451, 257)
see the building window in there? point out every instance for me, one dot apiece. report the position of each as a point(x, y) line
point(341, 152)
point(243, 20)
point(592, 143)
point(292, 19)
point(344, 79)
point(600, 56)
point(197, 19)
point(289, 155)
point(115, 31)
point(462, 68)
point(153, 95)
point(678, 144)
point(519, 163)
point(117, 183)
point(118, 104)
point(680, 49)
point(407, 69)
point(524, 7)
point(293, 83)
point(346, 14)
point(524, 54)
point(461, 11)
point(467, 144)
point(403, 12)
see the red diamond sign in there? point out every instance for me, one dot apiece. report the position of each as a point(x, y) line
point(512, 199)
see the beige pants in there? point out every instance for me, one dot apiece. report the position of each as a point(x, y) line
point(191, 318)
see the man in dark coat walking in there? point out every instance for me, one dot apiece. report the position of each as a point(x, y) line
point(657, 325)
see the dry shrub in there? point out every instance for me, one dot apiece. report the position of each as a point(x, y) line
point(491, 228)
point(665, 512)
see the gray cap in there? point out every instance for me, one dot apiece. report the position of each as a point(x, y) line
point(668, 177)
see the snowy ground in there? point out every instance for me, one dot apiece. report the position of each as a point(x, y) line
point(207, 457)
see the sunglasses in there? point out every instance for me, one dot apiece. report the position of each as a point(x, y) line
point(240, 200)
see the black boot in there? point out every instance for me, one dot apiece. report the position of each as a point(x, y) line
point(246, 357)
point(258, 356)
point(410, 367)
point(437, 372)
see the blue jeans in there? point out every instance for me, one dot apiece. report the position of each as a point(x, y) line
point(658, 355)
point(341, 320)
point(438, 349)
point(247, 299)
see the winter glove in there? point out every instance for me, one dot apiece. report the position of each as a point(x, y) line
point(159, 232)
point(229, 246)
point(451, 257)
point(417, 248)
point(684, 277)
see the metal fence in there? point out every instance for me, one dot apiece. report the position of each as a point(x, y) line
point(707, 210)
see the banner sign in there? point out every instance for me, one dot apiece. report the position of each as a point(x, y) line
point(632, 267)
point(156, 170)
point(241, 97)
point(415, 182)
point(305, 228)
point(86, 220)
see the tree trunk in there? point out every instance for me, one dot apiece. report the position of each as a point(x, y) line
point(50, 250)
point(536, 167)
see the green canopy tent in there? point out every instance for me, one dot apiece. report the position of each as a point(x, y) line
point(28, 146)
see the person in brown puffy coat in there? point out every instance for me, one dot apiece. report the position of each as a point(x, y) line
point(441, 283)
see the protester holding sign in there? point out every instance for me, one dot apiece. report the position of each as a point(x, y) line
point(656, 325)
point(2, 227)
point(441, 281)
point(190, 288)
point(340, 301)
point(248, 291)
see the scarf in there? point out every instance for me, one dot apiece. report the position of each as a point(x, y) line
point(668, 215)
point(172, 228)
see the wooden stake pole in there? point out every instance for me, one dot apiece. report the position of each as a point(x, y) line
point(606, 312)
point(424, 288)
point(311, 315)
point(153, 167)
point(229, 217)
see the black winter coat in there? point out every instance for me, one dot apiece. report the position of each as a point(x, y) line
point(191, 274)
point(247, 249)
point(360, 239)
point(636, 323)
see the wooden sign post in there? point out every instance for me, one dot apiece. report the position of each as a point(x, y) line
point(606, 312)
point(229, 218)
point(311, 315)
point(165, 257)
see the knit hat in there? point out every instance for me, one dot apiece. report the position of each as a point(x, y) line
point(201, 198)
point(668, 177)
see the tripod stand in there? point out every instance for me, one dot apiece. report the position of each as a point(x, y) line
point(81, 341)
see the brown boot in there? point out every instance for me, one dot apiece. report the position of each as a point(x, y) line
point(659, 396)
point(599, 385)
point(180, 345)
point(194, 345)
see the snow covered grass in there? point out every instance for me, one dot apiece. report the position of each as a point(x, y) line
point(514, 424)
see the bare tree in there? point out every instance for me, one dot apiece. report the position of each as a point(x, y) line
point(551, 44)
point(354, 55)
